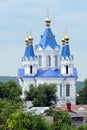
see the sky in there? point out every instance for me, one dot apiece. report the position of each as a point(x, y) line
point(19, 16)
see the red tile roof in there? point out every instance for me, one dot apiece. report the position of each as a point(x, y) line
point(73, 107)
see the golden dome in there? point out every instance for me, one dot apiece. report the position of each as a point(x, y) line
point(63, 40)
point(26, 40)
point(66, 36)
point(30, 39)
point(48, 21)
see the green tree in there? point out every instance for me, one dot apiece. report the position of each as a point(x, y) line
point(7, 107)
point(10, 90)
point(82, 94)
point(42, 95)
point(61, 119)
point(82, 127)
point(26, 121)
point(60, 115)
point(10, 100)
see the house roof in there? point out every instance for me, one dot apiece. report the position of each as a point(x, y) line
point(75, 107)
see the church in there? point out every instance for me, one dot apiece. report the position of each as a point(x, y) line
point(48, 62)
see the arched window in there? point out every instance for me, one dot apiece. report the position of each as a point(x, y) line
point(66, 69)
point(31, 69)
point(56, 61)
point(48, 61)
point(67, 90)
point(40, 60)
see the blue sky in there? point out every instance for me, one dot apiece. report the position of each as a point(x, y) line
point(19, 16)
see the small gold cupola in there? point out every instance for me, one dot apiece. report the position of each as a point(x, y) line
point(66, 38)
point(63, 41)
point(26, 40)
point(30, 38)
point(48, 21)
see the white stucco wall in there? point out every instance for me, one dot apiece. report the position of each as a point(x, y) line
point(61, 100)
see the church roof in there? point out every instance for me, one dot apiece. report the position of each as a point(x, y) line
point(29, 52)
point(48, 73)
point(47, 39)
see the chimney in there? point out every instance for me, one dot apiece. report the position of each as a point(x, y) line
point(68, 106)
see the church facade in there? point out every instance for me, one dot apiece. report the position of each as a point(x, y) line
point(47, 63)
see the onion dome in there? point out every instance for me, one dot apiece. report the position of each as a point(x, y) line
point(66, 38)
point(48, 21)
point(63, 41)
point(26, 40)
point(30, 38)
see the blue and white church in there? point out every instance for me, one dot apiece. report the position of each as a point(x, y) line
point(47, 62)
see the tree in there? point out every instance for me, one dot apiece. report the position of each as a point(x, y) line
point(26, 121)
point(10, 90)
point(59, 114)
point(62, 119)
point(42, 95)
point(10, 100)
point(82, 94)
point(82, 127)
point(7, 107)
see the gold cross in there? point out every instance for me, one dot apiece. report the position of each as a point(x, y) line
point(63, 33)
point(47, 12)
point(30, 32)
point(66, 32)
point(27, 34)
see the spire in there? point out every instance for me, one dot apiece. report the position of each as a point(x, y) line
point(48, 21)
point(67, 48)
point(29, 51)
point(63, 47)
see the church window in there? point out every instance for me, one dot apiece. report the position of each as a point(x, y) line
point(56, 61)
point(60, 90)
point(31, 69)
point(66, 69)
point(40, 60)
point(48, 61)
point(67, 90)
